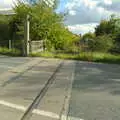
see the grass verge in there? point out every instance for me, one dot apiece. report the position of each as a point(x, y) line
point(9, 52)
point(84, 56)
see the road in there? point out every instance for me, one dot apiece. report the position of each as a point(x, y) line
point(22, 82)
point(95, 92)
point(53, 89)
point(7, 63)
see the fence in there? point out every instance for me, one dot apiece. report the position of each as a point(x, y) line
point(37, 46)
point(34, 46)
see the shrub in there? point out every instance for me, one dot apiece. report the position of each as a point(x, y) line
point(102, 43)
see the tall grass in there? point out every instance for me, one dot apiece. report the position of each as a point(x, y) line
point(84, 56)
point(9, 52)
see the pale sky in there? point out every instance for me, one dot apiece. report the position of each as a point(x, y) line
point(83, 15)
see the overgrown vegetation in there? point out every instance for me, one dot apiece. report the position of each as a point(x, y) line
point(106, 37)
point(84, 56)
point(9, 52)
point(45, 24)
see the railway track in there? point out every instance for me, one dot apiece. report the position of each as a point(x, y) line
point(28, 113)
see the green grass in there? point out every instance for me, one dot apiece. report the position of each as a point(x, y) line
point(9, 52)
point(84, 56)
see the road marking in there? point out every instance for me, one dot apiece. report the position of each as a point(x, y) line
point(11, 105)
point(74, 118)
point(6, 66)
point(46, 113)
point(35, 111)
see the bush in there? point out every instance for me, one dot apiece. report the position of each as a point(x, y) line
point(102, 43)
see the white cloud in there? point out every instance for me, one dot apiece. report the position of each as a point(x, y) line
point(83, 13)
point(88, 3)
point(77, 3)
point(7, 4)
point(72, 12)
point(86, 11)
point(107, 2)
point(81, 29)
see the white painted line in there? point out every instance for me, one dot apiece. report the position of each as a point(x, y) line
point(45, 113)
point(35, 111)
point(74, 118)
point(18, 107)
point(23, 109)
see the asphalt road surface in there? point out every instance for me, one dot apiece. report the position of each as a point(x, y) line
point(7, 63)
point(95, 92)
point(53, 89)
point(26, 94)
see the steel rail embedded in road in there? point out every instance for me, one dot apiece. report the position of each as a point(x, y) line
point(41, 94)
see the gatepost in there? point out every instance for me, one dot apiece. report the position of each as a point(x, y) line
point(26, 50)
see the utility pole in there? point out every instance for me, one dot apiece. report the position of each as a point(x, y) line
point(26, 49)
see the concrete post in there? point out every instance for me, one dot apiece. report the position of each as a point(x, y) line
point(10, 44)
point(27, 37)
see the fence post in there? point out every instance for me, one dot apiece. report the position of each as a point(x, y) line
point(26, 37)
point(10, 44)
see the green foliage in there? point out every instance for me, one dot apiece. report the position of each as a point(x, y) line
point(45, 24)
point(4, 30)
point(84, 56)
point(106, 37)
point(102, 43)
point(87, 41)
point(110, 27)
point(9, 52)
point(88, 36)
point(107, 26)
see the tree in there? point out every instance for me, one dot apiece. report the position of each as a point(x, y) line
point(87, 40)
point(103, 43)
point(111, 28)
point(4, 30)
point(45, 24)
point(105, 27)
point(88, 36)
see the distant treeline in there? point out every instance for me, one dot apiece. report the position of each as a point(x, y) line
point(106, 37)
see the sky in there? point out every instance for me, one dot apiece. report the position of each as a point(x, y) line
point(82, 15)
